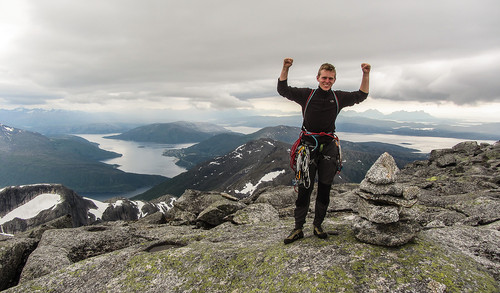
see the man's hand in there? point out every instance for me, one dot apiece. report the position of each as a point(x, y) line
point(284, 71)
point(365, 81)
point(366, 67)
point(287, 62)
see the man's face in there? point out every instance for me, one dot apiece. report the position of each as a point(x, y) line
point(326, 79)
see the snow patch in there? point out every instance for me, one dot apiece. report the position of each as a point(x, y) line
point(7, 128)
point(139, 205)
point(32, 208)
point(239, 148)
point(250, 188)
point(101, 207)
point(164, 206)
point(118, 203)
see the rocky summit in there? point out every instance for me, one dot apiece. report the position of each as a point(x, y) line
point(213, 242)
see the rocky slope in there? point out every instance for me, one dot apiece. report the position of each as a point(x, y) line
point(453, 200)
point(69, 203)
point(29, 206)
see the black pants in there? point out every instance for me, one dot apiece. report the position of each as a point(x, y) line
point(324, 162)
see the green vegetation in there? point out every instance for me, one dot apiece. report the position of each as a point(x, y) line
point(221, 267)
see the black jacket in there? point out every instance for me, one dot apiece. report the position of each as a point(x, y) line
point(322, 109)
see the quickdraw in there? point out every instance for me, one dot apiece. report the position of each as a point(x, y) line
point(302, 167)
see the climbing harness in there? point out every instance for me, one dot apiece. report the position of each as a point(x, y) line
point(300, 157)
point(300, 153)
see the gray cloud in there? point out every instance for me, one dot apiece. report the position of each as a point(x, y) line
point(218, 54)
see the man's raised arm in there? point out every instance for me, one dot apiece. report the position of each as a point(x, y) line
point(286, 66)
point(365, 82)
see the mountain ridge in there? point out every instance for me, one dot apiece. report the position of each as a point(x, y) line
point(173, 133)
point(246, 164)
point(221, 144)
point(64, 122)
point(216, 159)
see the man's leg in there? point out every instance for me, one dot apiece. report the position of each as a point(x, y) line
point(302, 205)
point(300, 214)
point(304, 199)
point(327, 168)
point(322, 202)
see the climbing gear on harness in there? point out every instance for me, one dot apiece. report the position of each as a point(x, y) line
point(314, 135)
point(300, 156)
point(339, 154)
point(302, 166)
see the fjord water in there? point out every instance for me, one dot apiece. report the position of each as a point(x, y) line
point(139, 157)
point(424, 144)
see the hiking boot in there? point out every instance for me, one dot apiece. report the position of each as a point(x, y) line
point(320, 233)
point(295, 235)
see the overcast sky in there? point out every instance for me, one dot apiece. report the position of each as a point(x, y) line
point(199, 57)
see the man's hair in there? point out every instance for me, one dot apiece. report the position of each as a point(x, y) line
point(327, 67)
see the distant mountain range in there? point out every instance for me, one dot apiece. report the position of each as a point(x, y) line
point(174, 133)
point(402, 116)
point(398, 123)
point(51, 122)
point(412, 123)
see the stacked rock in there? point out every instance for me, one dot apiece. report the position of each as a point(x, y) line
point(384, 207)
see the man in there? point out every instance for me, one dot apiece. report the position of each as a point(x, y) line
point(320, 108)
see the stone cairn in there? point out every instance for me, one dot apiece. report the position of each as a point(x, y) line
point(385, 213)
